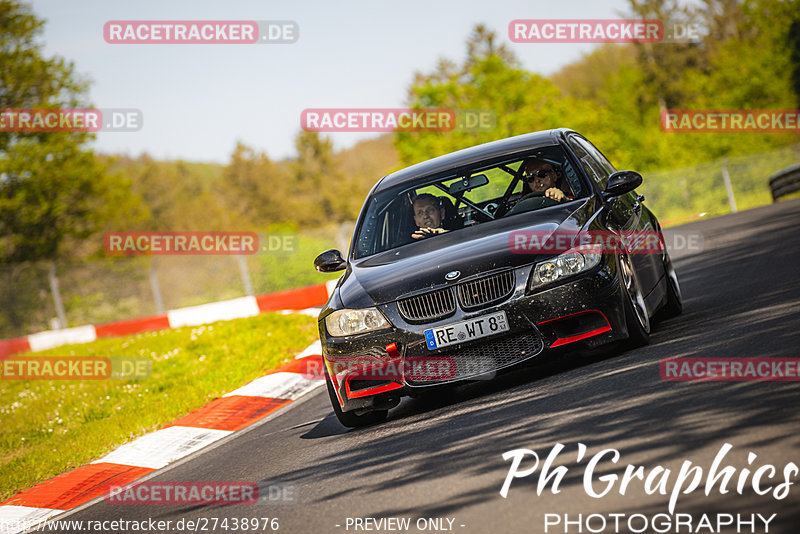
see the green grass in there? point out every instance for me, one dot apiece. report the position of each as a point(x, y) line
point(49, 427)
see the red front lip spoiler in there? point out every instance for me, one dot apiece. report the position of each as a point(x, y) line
point(392, 373)
point(367, 391)
point(564, 340)
point(394, 354)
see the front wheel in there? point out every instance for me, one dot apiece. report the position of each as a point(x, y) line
point(351, 419)
point(636, 318)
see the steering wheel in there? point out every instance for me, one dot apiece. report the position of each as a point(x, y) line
point(532, 201)
point(532, 194)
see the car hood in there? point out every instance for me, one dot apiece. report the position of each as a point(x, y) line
point(421, 266)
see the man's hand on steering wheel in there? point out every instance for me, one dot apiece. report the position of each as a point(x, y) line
point(554, 193)
point(427, 232)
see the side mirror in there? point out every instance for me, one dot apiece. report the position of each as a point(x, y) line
point(622, 182)
point(330, 261)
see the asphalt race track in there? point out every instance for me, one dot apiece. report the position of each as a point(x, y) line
point(442, 457)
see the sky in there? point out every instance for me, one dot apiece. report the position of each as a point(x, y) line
point(198, 100)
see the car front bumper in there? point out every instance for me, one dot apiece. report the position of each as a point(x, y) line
point(371, 371)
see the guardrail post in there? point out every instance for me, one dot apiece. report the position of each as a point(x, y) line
point(62, 317)
point(155, 287)
point(728, 188)
point(245, 272)
point(343, 238)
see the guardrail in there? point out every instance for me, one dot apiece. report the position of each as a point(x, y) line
point(291, 299)
point(784, 182)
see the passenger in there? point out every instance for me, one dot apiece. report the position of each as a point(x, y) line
point(428, 215)
point(540, 176)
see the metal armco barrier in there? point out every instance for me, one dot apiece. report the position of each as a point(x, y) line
point(785, 181)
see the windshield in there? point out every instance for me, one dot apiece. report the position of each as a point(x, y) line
point(455, 201)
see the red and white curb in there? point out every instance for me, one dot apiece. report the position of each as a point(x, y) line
point(301, 300)
point(218, 419)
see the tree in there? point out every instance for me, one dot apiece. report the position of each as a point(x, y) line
point(746, 64)
point(489, 79)
point(255, 188)
point(794, 47)
point(53, 192)
point(362, 166)
point(317, 182)
point(665, 65)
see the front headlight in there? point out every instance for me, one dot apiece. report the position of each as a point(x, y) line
point(567, 264)
point(350, 322)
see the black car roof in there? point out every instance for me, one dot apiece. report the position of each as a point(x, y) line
point(469, 156)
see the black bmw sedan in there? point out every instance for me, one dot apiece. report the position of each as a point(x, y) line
point(480, 260)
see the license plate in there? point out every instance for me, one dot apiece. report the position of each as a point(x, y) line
point(464, 331)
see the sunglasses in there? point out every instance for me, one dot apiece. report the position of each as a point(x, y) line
point(541, 173)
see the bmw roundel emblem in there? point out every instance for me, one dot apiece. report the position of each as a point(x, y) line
point(452, 275)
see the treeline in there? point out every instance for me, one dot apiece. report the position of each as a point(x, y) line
point(748, 57)
point(55, 194)
point(318, 187)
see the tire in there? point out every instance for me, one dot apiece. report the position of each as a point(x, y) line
point(351, 419)
point(636, 318)
point(674, 305)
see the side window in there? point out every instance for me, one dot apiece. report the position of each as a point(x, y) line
point(385, 227)
point(366, 244)
point(592, 167)
point(597, 156)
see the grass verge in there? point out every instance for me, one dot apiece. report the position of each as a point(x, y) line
point(48, 427)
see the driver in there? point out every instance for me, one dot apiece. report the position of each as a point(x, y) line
point(540, 177)
point(428, 215)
